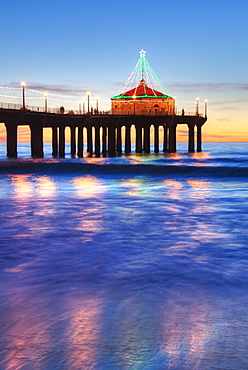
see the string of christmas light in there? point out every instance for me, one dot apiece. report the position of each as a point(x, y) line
point(35, 98)
point(143, 71)
point(54, 97)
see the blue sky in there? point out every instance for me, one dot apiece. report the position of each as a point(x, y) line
point(196, 48)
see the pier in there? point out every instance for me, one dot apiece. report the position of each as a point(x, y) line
point(142, 112)
point(104, 133)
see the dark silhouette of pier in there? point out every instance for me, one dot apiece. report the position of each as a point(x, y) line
point(104, 133)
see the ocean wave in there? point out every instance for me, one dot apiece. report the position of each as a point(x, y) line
point(121, 169)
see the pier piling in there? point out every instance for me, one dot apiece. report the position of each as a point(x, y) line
point(107, 137)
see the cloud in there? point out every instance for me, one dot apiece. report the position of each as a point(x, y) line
point(182, 132)
point(211, 86)
point(229, 108)
point(225, 104)
point(116, 84)
point(223, 119)
point(228, 137)
point(214, 136)
point(52, 88)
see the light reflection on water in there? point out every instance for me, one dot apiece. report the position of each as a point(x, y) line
point(88, 186)
point(83, 332)
point(125, 272)
point(195, 321)
point(46, 187)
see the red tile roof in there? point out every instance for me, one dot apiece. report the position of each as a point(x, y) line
point(141, 91)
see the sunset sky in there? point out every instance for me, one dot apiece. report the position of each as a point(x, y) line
point(197, 49)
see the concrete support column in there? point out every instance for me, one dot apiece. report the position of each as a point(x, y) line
point(172, 138)
point(37, 141)
point(97, 141)
point(80, 141)
point(55, 141)
point(40, 153)
point(199, 138)
point(128, 139)
point(11, 136)
point(33, 141)
point(89, 140)
point(73, 141)
point(191, 139)
point(61, 141)
point(156, 139)
point(119, 139)
point(138, 139)
point(165, 145)
point(111, 140)
point(147, 139)
point(104, 140)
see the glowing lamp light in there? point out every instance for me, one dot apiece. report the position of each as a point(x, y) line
point(23, 83)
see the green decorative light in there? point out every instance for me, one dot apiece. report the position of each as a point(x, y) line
point(142, 96)
point(143, 72)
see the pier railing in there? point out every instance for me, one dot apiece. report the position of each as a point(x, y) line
point(76, 112)
point(60, 110)
point(30, 108)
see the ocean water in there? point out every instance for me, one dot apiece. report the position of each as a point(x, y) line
point(133, 262)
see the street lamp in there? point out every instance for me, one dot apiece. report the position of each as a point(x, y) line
point(80, 107)
point(206, 107)
point(23, 83)
point(88, 94)
point(96, 105)
point(45, 97)
point(197, 107)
